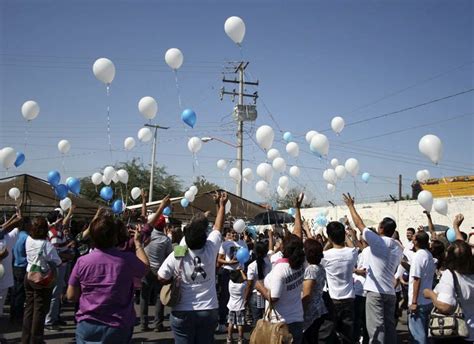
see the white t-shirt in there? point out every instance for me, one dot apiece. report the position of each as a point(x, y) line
point(275, 257)
point(33, 246)
point(236, 299)
point(446, 293)
point(8, 242)
point(358, 279)
point(286, 285)
point(383, 260)
point(339, 263)
point(229, 248)
point(252, 271)
point(408, 252)
point(399, 274)
point(198, 275)
point(423, 267)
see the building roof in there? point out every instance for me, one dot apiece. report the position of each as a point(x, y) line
point(450, 186)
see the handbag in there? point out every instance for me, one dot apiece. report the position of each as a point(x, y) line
point(39, 279)
point(170, 294)
point(449, 326)
point(266, 332)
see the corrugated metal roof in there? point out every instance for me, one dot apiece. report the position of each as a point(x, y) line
point(450, 186)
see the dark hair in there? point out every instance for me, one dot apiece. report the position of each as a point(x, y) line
point(422, 240)
point(53, 216)
point(336, 232)
point(313, 250)
point(104, 231)
point(195, 233)
point(26, 224)
point(40, 228)
point(261, 250)
point(293, 250)
point(176, 235)
point(459, 258)
point(412, 230)
point(388, 226)
point(464, 236)
point(437, 250)
point(236, 276)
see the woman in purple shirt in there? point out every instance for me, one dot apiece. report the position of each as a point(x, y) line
point(102, 281)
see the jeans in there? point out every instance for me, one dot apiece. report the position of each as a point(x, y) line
point(3, 297)
point(321, 331)
point(37, 305)
point(224, 278)
point(342, 312)
point(379, 310)
point(91, 332)
point(360, 326)
point(54, 309)
point(418, 324)
point(257, 313)
point(17, 297)
point(296, 330)
point(194, 327)
point(150, 285)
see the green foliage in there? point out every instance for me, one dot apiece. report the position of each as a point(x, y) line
point(289, 200)
point(204, 185)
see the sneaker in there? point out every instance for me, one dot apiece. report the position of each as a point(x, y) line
point(53, 327)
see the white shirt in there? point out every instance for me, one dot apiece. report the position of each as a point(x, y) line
point(8, 241)
point(50, 254)
point(229, 248)
point(286, 285)
point(339, 264)
point(236, 299)
point(275, 257)
point(408, 252)
point(384, 257)
point(198, 275)
point(446, 293)
point(399, 274)
point(252, 271)
point(358, 279)
point(423, 267)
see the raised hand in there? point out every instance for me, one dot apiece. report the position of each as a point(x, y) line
point(299, 200)
point(223, 199)
point(458, 219)
point(348, 199)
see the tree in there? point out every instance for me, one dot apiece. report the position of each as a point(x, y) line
point(289, 200)
point(204, 185)
point(139, 176)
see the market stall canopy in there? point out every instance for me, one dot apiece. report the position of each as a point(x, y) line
point(239, 207)
point(38, 197)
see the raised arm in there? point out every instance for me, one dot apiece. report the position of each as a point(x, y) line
point(100, 211)
point(431, 226)
point(458, 219)
point(68, 217)
point(11, 222)
point(139, 251)
point(354, 214)
point(222, 199)
point(144, 196)
point(164, 203)
point(298, 228)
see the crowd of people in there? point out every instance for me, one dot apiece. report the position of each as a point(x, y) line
point(349, 284)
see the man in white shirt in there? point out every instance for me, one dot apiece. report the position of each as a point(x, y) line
point(384, 257)
point(339, 263)
point(422, 270)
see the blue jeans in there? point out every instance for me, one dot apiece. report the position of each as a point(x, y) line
point(257, 313)
point(418, 324)
point(194, 327)
point(55, 306)
point(296, 330)
point(223, 278)
point(91, 332)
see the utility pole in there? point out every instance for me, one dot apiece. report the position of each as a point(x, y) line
point(153, 157)
point(242, 112)
point(399, 186)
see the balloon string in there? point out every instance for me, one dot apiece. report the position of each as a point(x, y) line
point(62, 163)
point(108, 122)
point(449, 189)
point(241, 51)
point(177, 88)
point(26, 134)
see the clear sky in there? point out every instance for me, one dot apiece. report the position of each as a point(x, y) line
point(314, 60)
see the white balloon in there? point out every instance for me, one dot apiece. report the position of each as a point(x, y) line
point(148, 107)
point(30, 110)
point(292, 149)
point(425, 198)
point(283, 182)
point(145, 134)
point(334, 163)
point(262, 188)
point(194, 189)
point(129, 143)
point(422, 175)
point(337, 124)
point(228, 206)
point(282, 192)
point(104, 70)
point(294, 171)
point(352, 166)
point(265, 171)
point(7, 157)
point(247, 174)
point(441, 206)
point(194, 144)
point(432, 147)
point(239, 226)
point(109, 172)
point(222, 164)
point(96, 178)
point(122, 176)
point(106, 180)
point(234, 173)
point(340, 171)
point(136, 192)
point(234, 27)
point(64, 146)
point(309, 135)
point(330, 176)
point(331, 187)
point(174, 58)
point(265, 136)
point(115, 179)
point(189, 195)
point(65, 203)
point(320, 144)
point(272, 154)
point(14, 193)
point(279, 165)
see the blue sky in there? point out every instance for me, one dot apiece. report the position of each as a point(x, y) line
point(314, 60)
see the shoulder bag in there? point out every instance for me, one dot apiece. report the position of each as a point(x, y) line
point(38, 278)
point(170, 294)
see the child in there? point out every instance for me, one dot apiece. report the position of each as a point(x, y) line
point(236, 304)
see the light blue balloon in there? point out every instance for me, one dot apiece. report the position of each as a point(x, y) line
point(252, 231)
point(167, 211)
point(54, 178)
point(184, 203)
point(189, 117)
point(20, 159)
point(61, 191)
point(74, 185)
point(242, 255)
point(451, 235)
point(292, 211)
point(106, 193)
point(321, 221)
point(366, 177)
point(287, 137)
point(117, 206)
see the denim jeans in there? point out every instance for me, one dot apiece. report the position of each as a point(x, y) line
point(91, 332)
point(418, 324)
point(223, 278)
point(18, 296)
point(379, 311)
point(321, 331)
point(150, 285)
point(296, 330)
point(360, 327)
point(194, 327)
point(257, 313)
point(55, 306)
point(342, 313)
